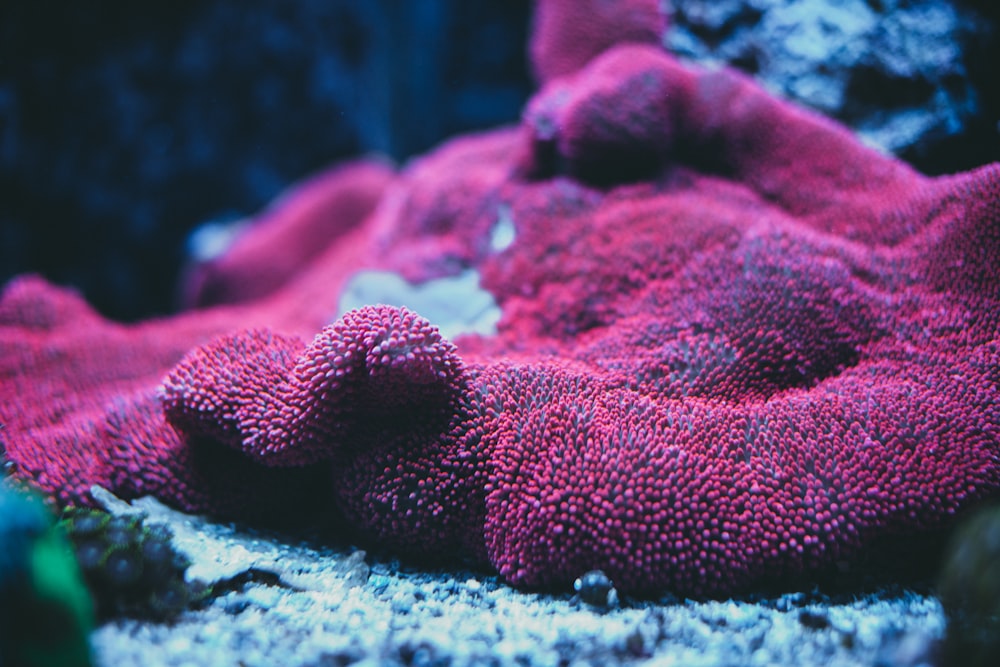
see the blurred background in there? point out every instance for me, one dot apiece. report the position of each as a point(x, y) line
point(124, 125)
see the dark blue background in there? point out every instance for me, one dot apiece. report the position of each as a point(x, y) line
point(125, 124)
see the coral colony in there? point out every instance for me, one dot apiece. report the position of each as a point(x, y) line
point(732, 343)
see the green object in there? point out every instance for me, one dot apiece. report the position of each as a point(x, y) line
point(131, 568)
point(46, 613)
point(969, 588)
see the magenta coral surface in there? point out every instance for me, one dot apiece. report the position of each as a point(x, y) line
point(735, 345)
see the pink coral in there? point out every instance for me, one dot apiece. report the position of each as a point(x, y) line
point(760, 353)
point(612, 122)
point(567, 34)
point(281, 242)
point(286, 404)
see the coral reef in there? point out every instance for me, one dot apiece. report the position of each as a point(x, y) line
point(735, 346)
point(909, 77)
point(275, 247)
point(566, 35)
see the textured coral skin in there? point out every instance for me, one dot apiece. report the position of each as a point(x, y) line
point(283, 404)
point(759, 353)
point(611, 123)
point(283, 240)
point(567, 34)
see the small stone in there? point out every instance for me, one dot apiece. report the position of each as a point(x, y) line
point(354, 569)
point(596, 589)
point(402, 603)
point(814, 620)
